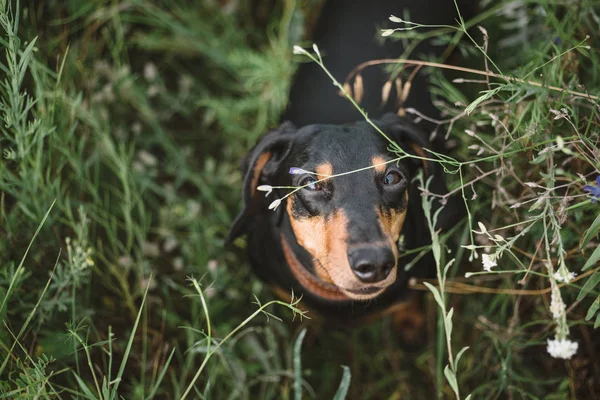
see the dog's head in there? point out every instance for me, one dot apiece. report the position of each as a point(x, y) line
point(350, 224)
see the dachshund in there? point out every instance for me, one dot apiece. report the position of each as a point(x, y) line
point(335, 240)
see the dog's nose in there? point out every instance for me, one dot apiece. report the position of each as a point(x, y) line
point(371, 264)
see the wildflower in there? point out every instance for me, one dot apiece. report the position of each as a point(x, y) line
point(265, 188)
point(150, 72)
point(488, 261)
point(212, 266)
point(387, 32)
point(136, 128)
point(152, 91)
point(210, 292)
point(557, 306)
point(316, 49)
point(482, 227)
point(594, 190)
point(147, 158)
point(562, 348)
point(298, 171)
point(393, 18)
point(170, 244)
point(275, 204)
point(299, 50)
point(125, 261)
point(563, 276)
point(90, 261)
point(178, 263)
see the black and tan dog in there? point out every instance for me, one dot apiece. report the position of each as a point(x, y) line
point(335, 242)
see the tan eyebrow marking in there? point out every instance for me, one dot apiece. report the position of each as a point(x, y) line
point(379, 163)
point(324, 170)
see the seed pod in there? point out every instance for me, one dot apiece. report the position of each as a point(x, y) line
point(347, 88)
point(358, 88)
point(405, 91)
point(398, 83)
point(385, 92)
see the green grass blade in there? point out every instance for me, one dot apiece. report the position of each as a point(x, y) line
point(119, 377)
point(342, 391)
point(298, 365)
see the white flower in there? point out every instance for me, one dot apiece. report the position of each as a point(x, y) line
point(275, 204)
point(387, 32)
point(265, 188)
point(488, 261)
point(557, 306)
point(562, 348)
point(147, 158)
point(299, 50)
point(150, 71)
point(170, 244)
point(563, 276)
point(316, 49)
point(482, 227)
point(393, 18)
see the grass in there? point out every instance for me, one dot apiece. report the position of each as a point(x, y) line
point(123, 126)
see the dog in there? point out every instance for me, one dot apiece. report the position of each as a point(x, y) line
point(334, 242)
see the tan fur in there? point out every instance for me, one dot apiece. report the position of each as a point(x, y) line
point(379, 163)
point(324, 170)
point(258, 167)
point(325, 240)
point(307, 280)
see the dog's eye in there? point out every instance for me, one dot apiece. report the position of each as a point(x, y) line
point(311, 183)
point(392, 178)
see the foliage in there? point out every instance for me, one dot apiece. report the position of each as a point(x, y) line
point(123, 123)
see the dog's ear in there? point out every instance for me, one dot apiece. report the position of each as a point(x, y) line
point(415, 140)
point(260, 164)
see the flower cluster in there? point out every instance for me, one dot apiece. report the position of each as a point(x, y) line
point(594, 190)
point(489, 262)
point(562, 348)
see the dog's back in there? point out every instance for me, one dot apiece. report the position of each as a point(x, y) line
point(348, 33)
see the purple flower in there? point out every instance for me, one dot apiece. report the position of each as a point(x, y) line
point(298, 171)
point(594, 190)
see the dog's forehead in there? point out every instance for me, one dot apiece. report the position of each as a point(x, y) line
point(345, 147)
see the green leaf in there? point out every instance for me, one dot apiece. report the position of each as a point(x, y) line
point(344, 384)
point(449, 322)
point(589, 285)
point(86, 390)
point(485, 96)
point(451, 378)
point(132, 336)
point(459, 355)
point(597, 323)
point(436, 294)
point(468, 397)
point(593, 308)
point(447, 267)
point(161, 375)
point(298, 365)
point(590, 233)
point(593, 259)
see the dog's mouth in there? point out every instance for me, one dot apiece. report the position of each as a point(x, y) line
point(367, 290)
point(366, 293)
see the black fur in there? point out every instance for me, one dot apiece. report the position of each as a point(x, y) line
point(347, 35)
